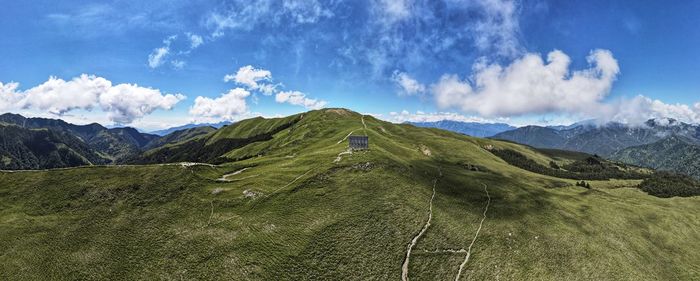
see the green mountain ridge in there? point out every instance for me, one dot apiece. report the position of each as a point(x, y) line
point(289, 201)
point(22, 148)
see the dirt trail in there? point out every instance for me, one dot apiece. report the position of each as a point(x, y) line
point(340, 155)
point(289, 183)
point(404, 268)
point(444, 251)
point(225, 177)
point(469, 250)
point(345, 137)
point(211, 214)
point(363, 123)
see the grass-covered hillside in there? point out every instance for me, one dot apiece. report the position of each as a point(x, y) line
point(290, 202)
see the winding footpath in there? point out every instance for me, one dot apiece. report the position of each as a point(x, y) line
point(404, 268)
point(469, 250)
point(225, 177)
point(340, 141)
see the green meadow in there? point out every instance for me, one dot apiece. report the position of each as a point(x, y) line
point(299, 206)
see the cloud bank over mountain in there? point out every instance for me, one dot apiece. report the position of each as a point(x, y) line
point(123, 103)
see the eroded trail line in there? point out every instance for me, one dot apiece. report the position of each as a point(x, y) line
point(469, 250)
point(289, 183)
point(211, 214)
point(444, 251)
point(404, 268)
point(363, 122)
point(225, 177)
point(345, 137)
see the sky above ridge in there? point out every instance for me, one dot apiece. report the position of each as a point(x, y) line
point(156, 64)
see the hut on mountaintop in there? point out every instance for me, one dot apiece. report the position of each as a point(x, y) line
point(358, 142)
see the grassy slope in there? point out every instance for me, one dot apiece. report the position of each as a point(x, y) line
point(345, 220)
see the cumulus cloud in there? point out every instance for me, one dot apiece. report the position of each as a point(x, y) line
point(299, 98)
point(250, 77)
point(123, 103)
point(228, 106)
point(126, 102)
point(530, 85)
point(407, 84)
point(640, 109)
point(9, 97)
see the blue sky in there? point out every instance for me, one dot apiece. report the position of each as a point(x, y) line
point(164, 63)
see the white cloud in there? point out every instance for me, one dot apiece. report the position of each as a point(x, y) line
point(250, 76)
point(305, 11)
point(58, 96)
point(155, 59)
point(158, 55)
point(530, 86)
point(408, 85)
point(9, 96)
point(246, 15)
point(228, 106)
point(395, 10)
point(127, 102)
point(178, 64)
point(123, 103)
point(640, 109)
point(299, 98)
point(498, 27)
point(195, 40)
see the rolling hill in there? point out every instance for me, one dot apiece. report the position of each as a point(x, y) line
point(289, 201)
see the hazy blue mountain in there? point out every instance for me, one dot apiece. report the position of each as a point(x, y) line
point(180, 136)
point(603, 140)
point(189, 126)
point(468, 128)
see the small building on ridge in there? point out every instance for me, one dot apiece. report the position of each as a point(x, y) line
point(358, 142)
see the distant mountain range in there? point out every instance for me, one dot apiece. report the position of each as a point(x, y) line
point(672, 153)
point(474, 129)
point(189, 126)
point(39, 143)
point(658, 144)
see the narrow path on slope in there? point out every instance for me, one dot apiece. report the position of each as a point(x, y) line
point(340, 155)
point(404, 268)
point(345, 137)
point(469, 250)
point(289, 183)
point(363, 124)
point(444, 251)
point(225, 177)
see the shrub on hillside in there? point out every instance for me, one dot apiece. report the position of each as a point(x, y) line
point(666, 184)
point(591, 168)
